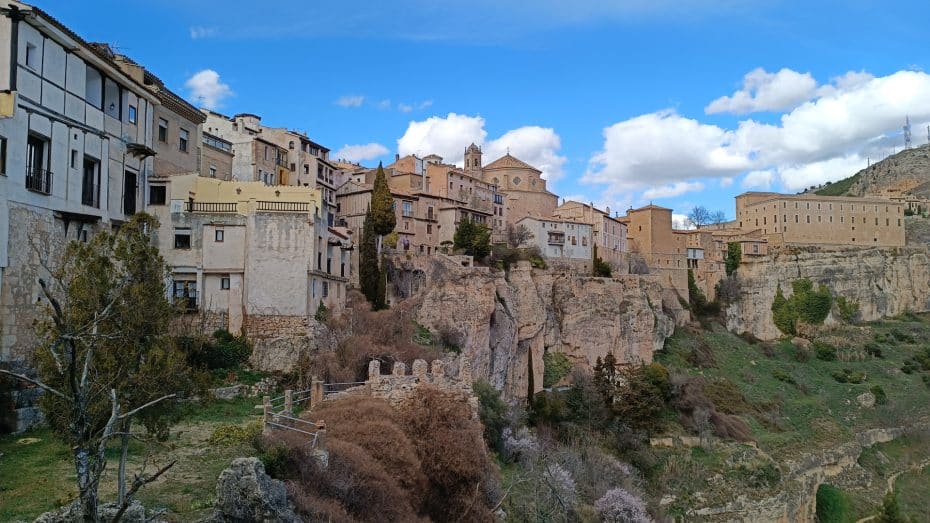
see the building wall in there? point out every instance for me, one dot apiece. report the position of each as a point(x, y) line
point(218, 159)
point(609, 233)
point(169, 158)
point(824, 220)
point(577, 238)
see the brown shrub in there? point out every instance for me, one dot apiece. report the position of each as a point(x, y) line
point(727, 426)
point(452, 453)
point(697, 409)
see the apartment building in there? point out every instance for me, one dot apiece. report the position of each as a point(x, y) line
point(76, 151)
point(809, 219)
point(216, 157)
point(608, 232)
point(561, 242)
point(244, 252)
point(254, 157)
point(650, 235)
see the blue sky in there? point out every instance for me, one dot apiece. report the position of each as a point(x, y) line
point(620, 103)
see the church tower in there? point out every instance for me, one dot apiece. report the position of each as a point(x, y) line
point(473, 160)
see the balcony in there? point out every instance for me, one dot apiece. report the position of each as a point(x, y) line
point(214, 207)
point(284, 206)
point(556, 239)
point(39, 180)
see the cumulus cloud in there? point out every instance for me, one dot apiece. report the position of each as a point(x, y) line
point(350, 101)
point(449, 136)
point(681, 221)
point(823, 139)
point(764, 91)
point(758, 180)
point(726, 181)
point(361, 152)
point(672, 190)
point(662, 148)
point(206, 89)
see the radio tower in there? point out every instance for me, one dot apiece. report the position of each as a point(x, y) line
point(907, 132)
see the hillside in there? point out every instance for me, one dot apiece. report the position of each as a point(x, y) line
point(906, 172)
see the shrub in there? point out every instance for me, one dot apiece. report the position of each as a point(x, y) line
point(620, 506)
point(849, 309)
point(833, 505)
point(227, 435)
point(222, 351)
point(555, 367)
point(873, 349)
point(548, 408)
point(902, 336)
point(848, 376)
point(734, 257)
point(493, 413)
point(600, 268)
point(322, 313)
point(910, 366)
point(824, 351)
point(880, 397)
point(805, 305)
point(783, 376)
point(926, 380)
point(728, 289)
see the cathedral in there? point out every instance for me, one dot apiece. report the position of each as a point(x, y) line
point(522, 185)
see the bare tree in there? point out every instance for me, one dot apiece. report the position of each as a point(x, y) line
point(517, 235)
point(700, 216)
point(104, 359)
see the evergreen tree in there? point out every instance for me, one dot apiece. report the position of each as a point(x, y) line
point(734, 257)
point(474, 239)
point(600, 268)
point(890, 513)
point(368, 270)
point(381, 295)
point(383, 218)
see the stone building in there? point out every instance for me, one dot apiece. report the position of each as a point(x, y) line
point(76, 142)
point(808, 219)
point(176, 124)
point(216, 157)
point(255, 157)
point(308, 165)
point(243, 252)
point(608, 232)
point(522, 187)
point(650, 236)
point(561, 242)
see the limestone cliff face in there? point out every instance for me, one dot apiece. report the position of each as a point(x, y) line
point(884, 282)
point(504, 323)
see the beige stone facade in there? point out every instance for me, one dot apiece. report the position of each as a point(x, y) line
point(255, 158)
point(216, 157)
point(523, 188)
point(650, 235)
point(808, 219)
point(241, 249)
point(608, 232)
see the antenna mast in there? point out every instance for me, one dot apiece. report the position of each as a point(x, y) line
point(907, 132)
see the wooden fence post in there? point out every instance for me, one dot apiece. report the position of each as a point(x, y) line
point(288, 401)
point(316, 392)
point(266, 412)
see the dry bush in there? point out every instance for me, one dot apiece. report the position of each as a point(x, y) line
point(731, 427)
point(317, 508)
point(698, 412)
point(452, 453)
point(363, 335)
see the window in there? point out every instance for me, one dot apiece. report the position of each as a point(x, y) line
point(38, 177)
point(90, 183)
point(162, 130)
point(429, 228)
point(182, 239)
point(132, 114)
point(218, 235)
point(266, 152)
point(185, 294)
point(325, 289)
point(31, 56)
point(224, 283)
point(408, 209)
point(306, 168)
point(157, 194)
point(212, 171)
point(74, 155)
point(182, 142)
point(112, 99)
point(2, 155)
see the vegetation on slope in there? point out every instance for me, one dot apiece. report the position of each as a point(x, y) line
point(838, 188)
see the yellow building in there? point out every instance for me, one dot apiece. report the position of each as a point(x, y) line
point(808, 219)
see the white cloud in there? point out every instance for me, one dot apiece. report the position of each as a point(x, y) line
point(537, 146)
point(350, 101)
point(662, 148)
point(206, 89)
point(823, 139)
point(764, 91)
point(758, 180)
point(449, 136)
point(406, 108)
point(726, 181)
point(360, 152)
point(197, 32)
point(384, 104)
point(672, 190)
point(681, 221)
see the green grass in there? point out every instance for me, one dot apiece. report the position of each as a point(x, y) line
point(839, 188)
point(39, 476)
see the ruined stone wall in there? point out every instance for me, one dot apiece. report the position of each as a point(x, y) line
point(279, 342)
point(883, 282)
point(505, 322)
point(398, 387)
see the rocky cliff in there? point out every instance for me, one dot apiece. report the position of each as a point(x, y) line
point(883, 282)
point(505, 321)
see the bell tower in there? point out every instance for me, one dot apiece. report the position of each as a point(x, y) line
point(473, 160)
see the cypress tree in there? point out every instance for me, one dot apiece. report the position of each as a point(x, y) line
point(382, 205)
point(368, 271)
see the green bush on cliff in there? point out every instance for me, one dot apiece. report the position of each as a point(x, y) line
point(805, 305)
point(833, 505)
point(849, 309)
point(555, 367)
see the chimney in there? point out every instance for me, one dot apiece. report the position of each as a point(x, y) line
point(396, 157)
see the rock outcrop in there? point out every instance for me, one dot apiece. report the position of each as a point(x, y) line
point(244, 493)
point(505, 322)
point(883, 282)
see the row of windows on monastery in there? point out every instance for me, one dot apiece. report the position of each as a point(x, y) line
point(851, 207)
point(807, 219)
